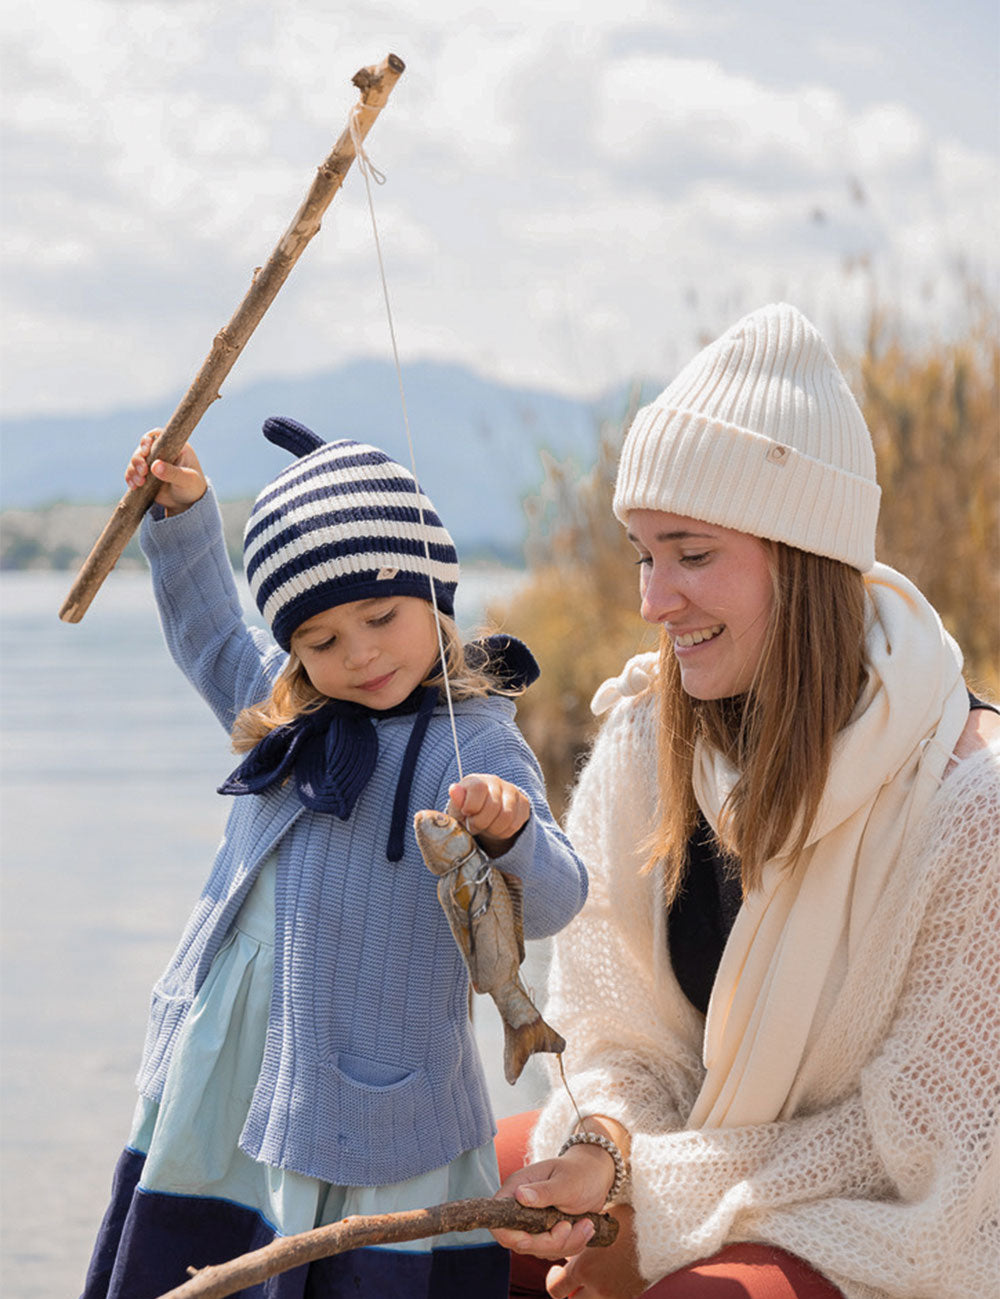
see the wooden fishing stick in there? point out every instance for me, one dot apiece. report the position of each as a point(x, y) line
point(375, 84)
point(282, 1255)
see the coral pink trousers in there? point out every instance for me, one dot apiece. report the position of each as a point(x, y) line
point(740, 1271)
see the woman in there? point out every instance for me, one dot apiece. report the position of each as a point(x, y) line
point(778, 996)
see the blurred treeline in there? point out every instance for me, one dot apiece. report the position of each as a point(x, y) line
point(935, 421)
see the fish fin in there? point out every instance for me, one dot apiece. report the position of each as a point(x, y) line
point(520, 1043)
point(516, 890)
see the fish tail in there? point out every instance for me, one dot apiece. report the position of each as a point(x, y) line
point(522, 1042)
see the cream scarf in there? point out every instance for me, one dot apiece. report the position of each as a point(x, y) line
point(793, 937)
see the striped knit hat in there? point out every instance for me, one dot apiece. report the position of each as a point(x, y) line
point(343, 523)
point(759, 433)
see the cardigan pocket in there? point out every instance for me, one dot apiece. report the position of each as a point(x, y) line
point(376, 1105)
point(360, 1071)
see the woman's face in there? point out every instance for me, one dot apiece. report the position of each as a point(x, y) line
point(711, 591)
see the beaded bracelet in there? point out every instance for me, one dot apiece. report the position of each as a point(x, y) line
point(596, 1139)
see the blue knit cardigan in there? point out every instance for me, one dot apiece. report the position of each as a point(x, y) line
point(370, 1073)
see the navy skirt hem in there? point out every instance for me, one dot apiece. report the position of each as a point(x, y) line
point(148, 1240)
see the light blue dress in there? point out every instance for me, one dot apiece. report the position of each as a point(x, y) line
point(191, 1138)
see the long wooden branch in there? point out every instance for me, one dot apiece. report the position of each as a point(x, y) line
point(223, 1279)
point(375, 84)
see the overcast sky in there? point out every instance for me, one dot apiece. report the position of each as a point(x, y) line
point(575, 191)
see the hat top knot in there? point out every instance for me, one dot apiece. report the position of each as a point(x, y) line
point(291, 435)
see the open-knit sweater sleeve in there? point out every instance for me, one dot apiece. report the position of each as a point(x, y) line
point(885, 1179)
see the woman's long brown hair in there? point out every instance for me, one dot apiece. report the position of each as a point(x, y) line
point(780, 735)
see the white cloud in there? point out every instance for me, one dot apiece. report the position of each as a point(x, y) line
point(849, 53)
point(573, 189)
point(651, 103)
point(887, 135)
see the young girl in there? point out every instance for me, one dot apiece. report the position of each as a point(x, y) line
point(309, 1054)
point(781, 1004)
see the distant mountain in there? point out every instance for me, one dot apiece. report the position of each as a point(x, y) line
point(477, 442)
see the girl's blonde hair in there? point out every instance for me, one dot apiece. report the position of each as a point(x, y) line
point(780, 735)
point(293, 694)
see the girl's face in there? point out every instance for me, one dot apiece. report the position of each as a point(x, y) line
point(711, 591)
point(373, 652)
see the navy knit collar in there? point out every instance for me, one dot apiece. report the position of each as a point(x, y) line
point(331, 753)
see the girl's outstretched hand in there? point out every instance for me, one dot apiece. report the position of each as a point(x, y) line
point(493, 810)
point(182, 483)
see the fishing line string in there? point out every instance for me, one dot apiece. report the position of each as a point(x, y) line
point(370, 172)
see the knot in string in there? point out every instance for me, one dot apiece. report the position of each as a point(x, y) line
point(365, 164)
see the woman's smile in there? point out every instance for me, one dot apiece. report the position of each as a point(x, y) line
point(686, 640)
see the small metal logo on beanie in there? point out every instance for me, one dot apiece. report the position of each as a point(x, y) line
point(386, 574)
point(778, 454)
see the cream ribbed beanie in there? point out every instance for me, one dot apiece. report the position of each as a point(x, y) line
point(759, 432)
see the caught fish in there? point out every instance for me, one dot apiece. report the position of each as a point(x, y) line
point(483, 907)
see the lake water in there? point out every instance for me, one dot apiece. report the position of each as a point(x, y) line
point(108, 823)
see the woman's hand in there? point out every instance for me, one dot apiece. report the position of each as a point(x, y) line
point(576, 1182)
point(493, 810)
point(183, 483)
point(605, 1273)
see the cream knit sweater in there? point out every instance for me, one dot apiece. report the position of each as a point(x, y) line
point(885, 1176)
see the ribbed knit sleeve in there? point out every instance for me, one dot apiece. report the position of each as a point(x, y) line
point(553, 878)
point(228, 663)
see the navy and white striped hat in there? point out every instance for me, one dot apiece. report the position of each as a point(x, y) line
point(342, 523)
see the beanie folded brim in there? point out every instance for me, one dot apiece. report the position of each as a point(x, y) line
point(684, 463)
point(297, 600)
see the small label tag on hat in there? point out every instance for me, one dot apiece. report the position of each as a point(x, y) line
point(386, 574)
point(778, 454)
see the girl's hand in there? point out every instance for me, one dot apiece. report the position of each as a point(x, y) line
point(576, 1182)
point(611, 1273)
point(493, 810)
point(182, 483)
